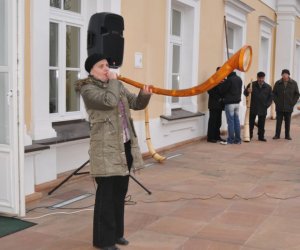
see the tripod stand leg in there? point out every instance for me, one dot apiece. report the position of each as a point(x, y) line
point(141, 185)
point(66, 179)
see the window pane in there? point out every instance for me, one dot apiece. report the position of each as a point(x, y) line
point(175, 85)
point(53, 44)
point(72, 46)
point(55, 3)
point(176, 59)
point(72, 98)
point(4, 118)
point(264, 54)
point(72, 5)
point(53, 105)
point(230, 38)
point(3, 33)
point(176, 22)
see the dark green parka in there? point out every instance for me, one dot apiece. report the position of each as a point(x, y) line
point(107, 153)
point(285, 97)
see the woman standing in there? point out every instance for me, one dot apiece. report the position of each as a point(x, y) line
point(114, 148)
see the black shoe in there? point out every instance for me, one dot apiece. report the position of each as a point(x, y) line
point(275, 137)
point(122, 241)
point(221, 139)
point(212, 140)
point(288, 138)
point(262, 139)
point(110, 248)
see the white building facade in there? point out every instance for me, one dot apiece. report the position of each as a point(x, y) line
point(38, 112)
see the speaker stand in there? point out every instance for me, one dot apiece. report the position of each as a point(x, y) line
point(76, 172)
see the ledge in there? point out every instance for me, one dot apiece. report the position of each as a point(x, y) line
point(35, 147)
point(178, 114)
point(66, 132)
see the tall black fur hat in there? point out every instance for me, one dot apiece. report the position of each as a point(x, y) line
point(92, 60)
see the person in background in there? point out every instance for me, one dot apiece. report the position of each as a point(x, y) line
point(231, 90)
point(215, 106)
point(114, 148)
point(285, 95)
point(261, 99)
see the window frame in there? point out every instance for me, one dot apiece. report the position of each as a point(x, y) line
point(62, 7)
point(266, 26)
point(176, 41)
point(297, 63)
point(66, 18)
point(190, 17)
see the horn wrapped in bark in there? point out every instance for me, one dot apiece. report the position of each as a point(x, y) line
point(247, 116)
point(151, 149)
point(241, 60)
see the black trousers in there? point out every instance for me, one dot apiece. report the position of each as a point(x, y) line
point(287, 121)
point(109, 207)
point(260, 125)
point(214, 124)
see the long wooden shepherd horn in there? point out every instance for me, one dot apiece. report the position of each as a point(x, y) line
point(151, 149)
point(247, 116)
point(241, 60)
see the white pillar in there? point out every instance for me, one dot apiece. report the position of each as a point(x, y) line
point(285, 37)
point(41, 124)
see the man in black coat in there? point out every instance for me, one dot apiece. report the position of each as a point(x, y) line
point(261, 99)
point(231, 90)
point(285, 95)
point(215, 106)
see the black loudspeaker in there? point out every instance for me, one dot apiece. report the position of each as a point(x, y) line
point(105, 36)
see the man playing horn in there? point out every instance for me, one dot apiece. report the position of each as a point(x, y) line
point(261, 99)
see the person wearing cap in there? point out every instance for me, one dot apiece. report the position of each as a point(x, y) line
point(261, 99)
point(285, 96)
point(114, 148)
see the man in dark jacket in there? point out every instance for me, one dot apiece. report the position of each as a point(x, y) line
point(215, 106)
point(231, 91)
point(261, 99)
point(285, 95)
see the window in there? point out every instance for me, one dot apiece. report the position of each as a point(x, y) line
point(176, 22)
point(64, 59)
point(230, 39)
point(4, 135)
point(234, 38)
point(72, 66)
point(236, 13)
point(3, 33)
point(54, 70)
point(266, 26)
point(70, 5)
point(4, 85)
point(297, 64)
point(176, 43)
point(264, 55)
point(183, 45)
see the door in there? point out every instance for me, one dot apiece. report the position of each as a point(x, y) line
point(11, 148)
